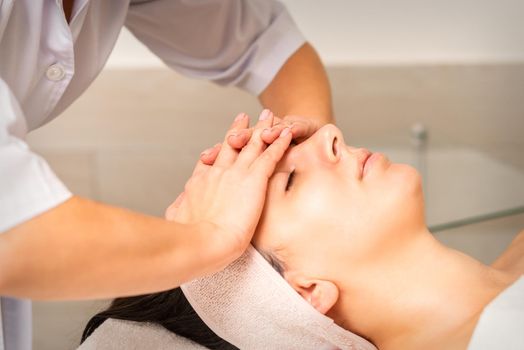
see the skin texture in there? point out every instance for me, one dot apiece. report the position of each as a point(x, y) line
point(358, 249)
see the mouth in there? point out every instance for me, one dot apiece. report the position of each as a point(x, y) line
point(363, 160)
point(371, 159)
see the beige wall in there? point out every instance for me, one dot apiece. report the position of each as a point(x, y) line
point(392, 32)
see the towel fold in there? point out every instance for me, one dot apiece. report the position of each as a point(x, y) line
point(252, 307)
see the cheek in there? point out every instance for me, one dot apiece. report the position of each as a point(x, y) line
point(323, 206)
point(303, 225)
point(321, 192)
point(325, 213)
point(315, 202)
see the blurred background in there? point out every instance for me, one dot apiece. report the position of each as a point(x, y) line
point(439, 85)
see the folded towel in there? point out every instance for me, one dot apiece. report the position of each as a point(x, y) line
point(118, 335)
point(252, 307)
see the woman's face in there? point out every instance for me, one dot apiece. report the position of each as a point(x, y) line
point(330, 207)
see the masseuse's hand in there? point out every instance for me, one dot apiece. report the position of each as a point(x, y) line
point(229, 195)
point(301, 128)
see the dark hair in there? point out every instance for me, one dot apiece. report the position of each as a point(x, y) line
point(170, 309)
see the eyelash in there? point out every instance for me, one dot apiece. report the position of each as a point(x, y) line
point(290, 180)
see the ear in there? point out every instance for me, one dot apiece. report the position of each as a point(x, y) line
point(321, 294)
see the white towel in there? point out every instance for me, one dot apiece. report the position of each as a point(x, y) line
point(118, 335)
point(252, 307)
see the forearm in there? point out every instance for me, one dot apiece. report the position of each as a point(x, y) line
point(301, 87)
point(83, 249)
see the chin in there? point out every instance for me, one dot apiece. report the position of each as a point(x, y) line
point(406, 178)
point(406, 182)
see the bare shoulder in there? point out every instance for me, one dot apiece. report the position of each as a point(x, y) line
point(512, 260)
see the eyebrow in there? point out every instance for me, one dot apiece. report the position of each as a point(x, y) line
point(274, 261)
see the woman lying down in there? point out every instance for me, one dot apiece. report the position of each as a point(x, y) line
point(344, 239)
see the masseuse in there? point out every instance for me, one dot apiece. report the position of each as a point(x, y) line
point(55, 245)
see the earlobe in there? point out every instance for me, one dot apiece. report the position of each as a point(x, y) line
point(321, 294)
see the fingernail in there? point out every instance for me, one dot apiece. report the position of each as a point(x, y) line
point(264, 115)
point(240, 116)
point(285, 132)
point(266, 131)
point(205, 153)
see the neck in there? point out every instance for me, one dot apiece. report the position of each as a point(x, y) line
point(420, 295)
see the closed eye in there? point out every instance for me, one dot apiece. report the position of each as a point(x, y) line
point(290, 180)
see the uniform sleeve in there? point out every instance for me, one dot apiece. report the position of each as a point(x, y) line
point(28, 186)
point(230, 42)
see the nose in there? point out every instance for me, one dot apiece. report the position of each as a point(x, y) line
point(331, 142)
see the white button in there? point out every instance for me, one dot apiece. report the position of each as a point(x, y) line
point(55, 72)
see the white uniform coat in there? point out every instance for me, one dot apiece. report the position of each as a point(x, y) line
point(46, 63)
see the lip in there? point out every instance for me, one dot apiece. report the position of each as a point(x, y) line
point(362, 160)
point(368, 162)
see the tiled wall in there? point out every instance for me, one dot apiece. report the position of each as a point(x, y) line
point(133, 138)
